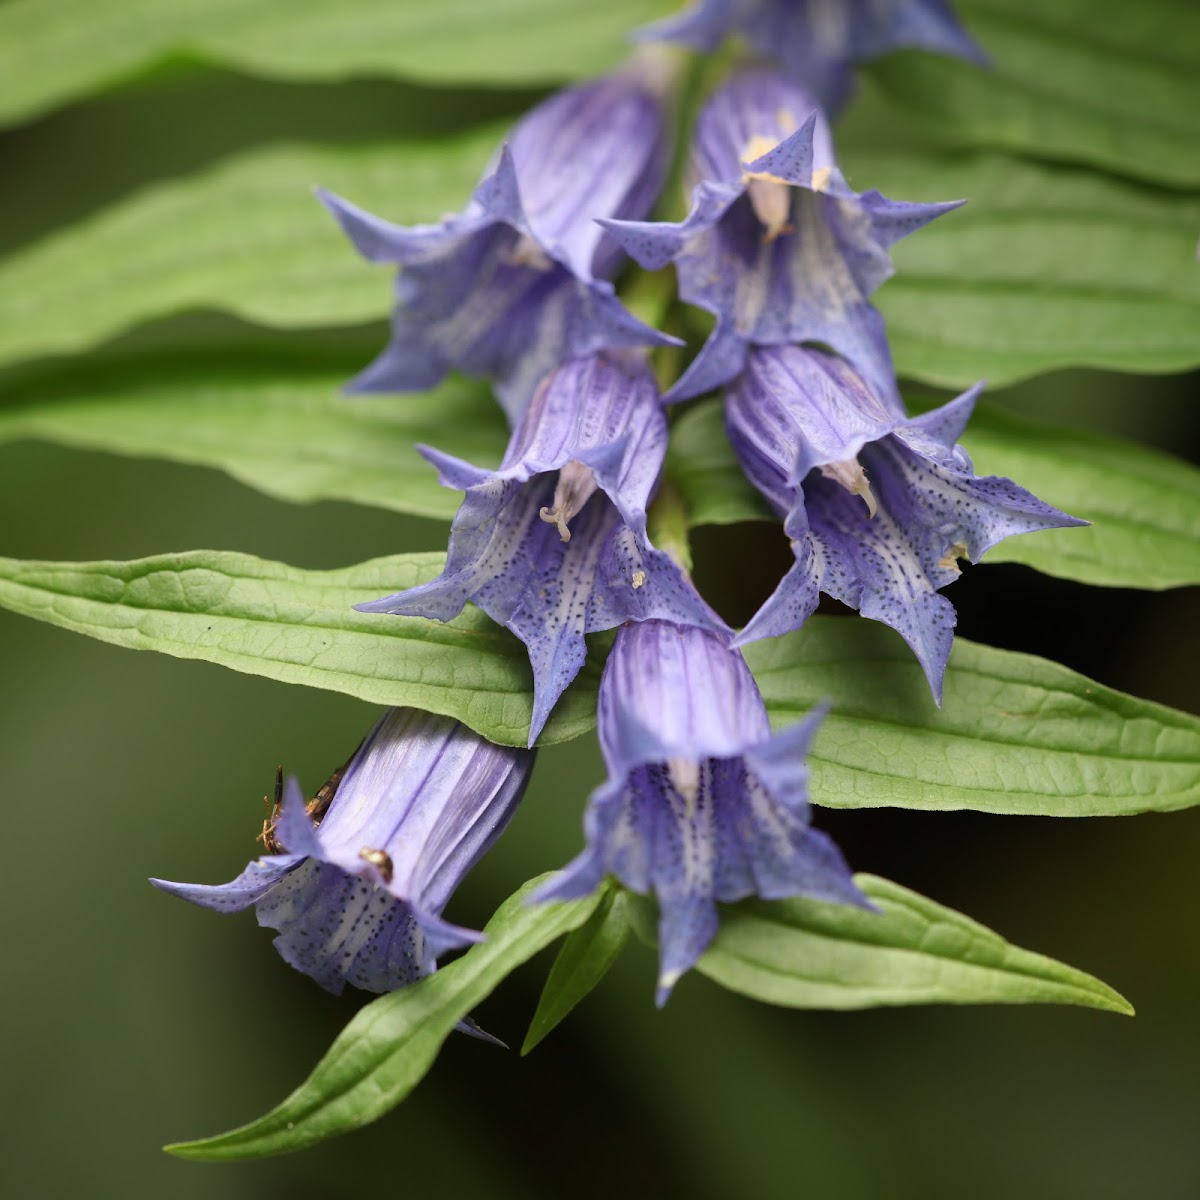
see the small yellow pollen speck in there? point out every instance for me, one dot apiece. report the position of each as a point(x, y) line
point(639, 578)
point(787, 122)
point(820, 178)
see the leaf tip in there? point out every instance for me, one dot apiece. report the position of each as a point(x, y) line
point(534, 1036)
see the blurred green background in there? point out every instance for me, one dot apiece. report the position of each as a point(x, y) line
point(130, 1019)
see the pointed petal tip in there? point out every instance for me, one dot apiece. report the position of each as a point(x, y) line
point(666, 985)
point(471, 1028)
point(330, 200)
point(537, 722)
point(375, 607)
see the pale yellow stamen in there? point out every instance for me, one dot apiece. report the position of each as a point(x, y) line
point(949, 561)
point(575, 486)
point(853, 478)
point(820, 178)
point(526, 252)
point(770, 196)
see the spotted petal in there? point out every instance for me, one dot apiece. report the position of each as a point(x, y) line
point(702, 804)
point(517, 283)
point(359, 898)
point(553, 544)
point(879, 507)
point(819, 41)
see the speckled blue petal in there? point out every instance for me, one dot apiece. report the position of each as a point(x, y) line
point(819, 41)
point(676, 691)
point(260, 875)
point(295, 833)
point(428, 793)
point(599, 149)
point(886, 547)
point(516, 284)
point(702, 803)
point(795, 263)
point(359, 897)
point(757, 111)
point(794, 409)
point(339, 928)
point(720, 360)
point(602, 417)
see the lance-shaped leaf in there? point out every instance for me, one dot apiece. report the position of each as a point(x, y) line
point(51, 53)
point(247, 237)
point(1015, 734)
point(1144, 505)
point(275, 420)
point(806, 954)
point(387, 1048)
point(1043, 268)
point(584, 959)
point(1114, 85)
point(298, 626)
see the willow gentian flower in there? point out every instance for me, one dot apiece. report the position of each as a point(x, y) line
point(879, 506)
point(776, 245)
point(702, 803)
point(356, 883)
point(519, 281)
point(553, 543)
point(818, 42)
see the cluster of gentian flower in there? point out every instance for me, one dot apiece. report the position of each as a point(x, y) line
point(702, 804)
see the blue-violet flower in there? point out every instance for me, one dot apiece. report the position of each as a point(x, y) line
point(879, 507)
point(818, 42)
point(702, 803)
point(777, 245)
point(553, 543)
point(518, 282)
point(358, 897)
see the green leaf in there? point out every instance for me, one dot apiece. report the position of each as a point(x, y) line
point(298, 626)
point(1015, 734)
point(247, 237)
point(273, 420)
point(705, 472)
point(55, 51)
point(1042, 268)
point(1113, 85)
point(807, 954)
point(388, 1047)
point(582, 962)
point(1145, 505)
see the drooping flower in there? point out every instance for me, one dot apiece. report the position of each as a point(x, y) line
point(879, 506)
point(702, 804)
point(356, 884)
point(777, 245)
point(553, 543)
point(519, 281)
point(819, 42)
